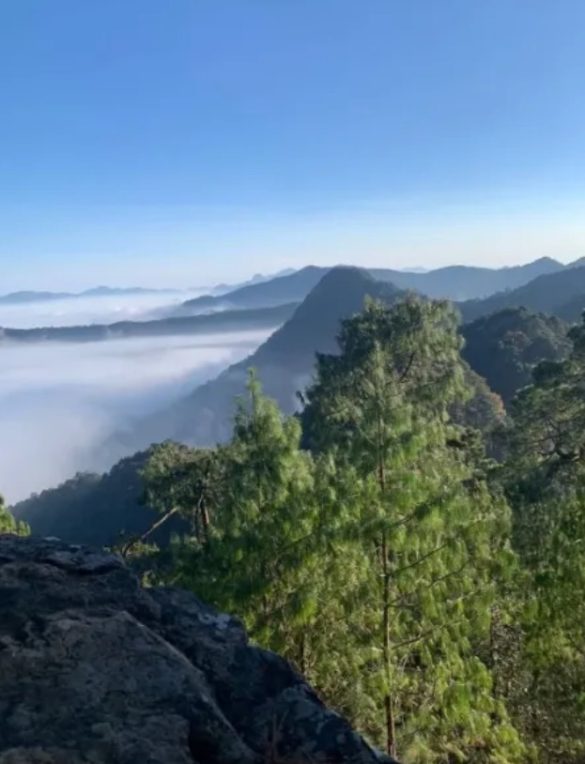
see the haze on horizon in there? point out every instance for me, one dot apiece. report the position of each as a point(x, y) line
point(187, 143)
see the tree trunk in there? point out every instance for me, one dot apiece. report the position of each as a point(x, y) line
point(303, 654)
point(390, 727)
point(205, 520)
point(132, 543)
point(388, 701)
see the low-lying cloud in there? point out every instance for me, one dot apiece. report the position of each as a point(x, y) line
point(89, 310)
point(59, 402)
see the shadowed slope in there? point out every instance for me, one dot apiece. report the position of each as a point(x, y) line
point(550, 293)
point(284, 363)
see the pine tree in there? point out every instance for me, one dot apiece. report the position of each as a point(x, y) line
point(259, 559)
point(372, 561)
point(430, 532)
point(185, 481)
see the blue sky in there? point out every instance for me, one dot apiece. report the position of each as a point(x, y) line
point(191, 141)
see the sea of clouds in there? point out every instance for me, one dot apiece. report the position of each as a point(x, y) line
point(60, 402)
point(79, 311)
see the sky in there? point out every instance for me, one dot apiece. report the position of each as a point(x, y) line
point(187, 142)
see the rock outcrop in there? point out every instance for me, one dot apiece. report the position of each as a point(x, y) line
point(95, 669)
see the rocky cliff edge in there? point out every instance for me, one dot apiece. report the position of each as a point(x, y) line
point(94, 669)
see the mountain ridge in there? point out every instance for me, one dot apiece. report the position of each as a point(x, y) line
point(552, 293)
point(226, 321)
point(283, 363)
point(455, 282)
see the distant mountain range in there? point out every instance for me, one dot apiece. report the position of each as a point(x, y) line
point(292, 287)
point(561, 293)
point(284, 363)
point(16, 298)
point(464, 282)
point(212, 323)
point(27, 296)
point(459, 282)
point(257, 278)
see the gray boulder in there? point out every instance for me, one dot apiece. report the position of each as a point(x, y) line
point(96, 670)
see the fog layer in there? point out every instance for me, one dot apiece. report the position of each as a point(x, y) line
point(89, 310)
point(58, 402)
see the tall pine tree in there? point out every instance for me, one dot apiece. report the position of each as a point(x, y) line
point(431, 534)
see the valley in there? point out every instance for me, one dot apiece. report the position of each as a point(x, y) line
point(79, 398)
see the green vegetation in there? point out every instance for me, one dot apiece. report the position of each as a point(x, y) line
point(558, 293)
point(545, 483)
point(284, 364)
point(431, 594)
point(505, 347)
point(8, 524)
point(103, 510)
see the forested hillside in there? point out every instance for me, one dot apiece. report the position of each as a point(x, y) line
point(504, 347)
point(102, 510)
point(284, 364)
point(86, 507)
point(432, 595)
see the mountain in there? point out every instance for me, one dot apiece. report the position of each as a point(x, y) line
point(257, 278)
point(463, 282)
point(95, 509)
point(572, 310)
point(17, 298)
point(105, 291)
point(292, 287)
point(504, 347)
point(284, 363)
point(459, 282)
point(23, 297)
point(227, 321)
point(556, 293)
